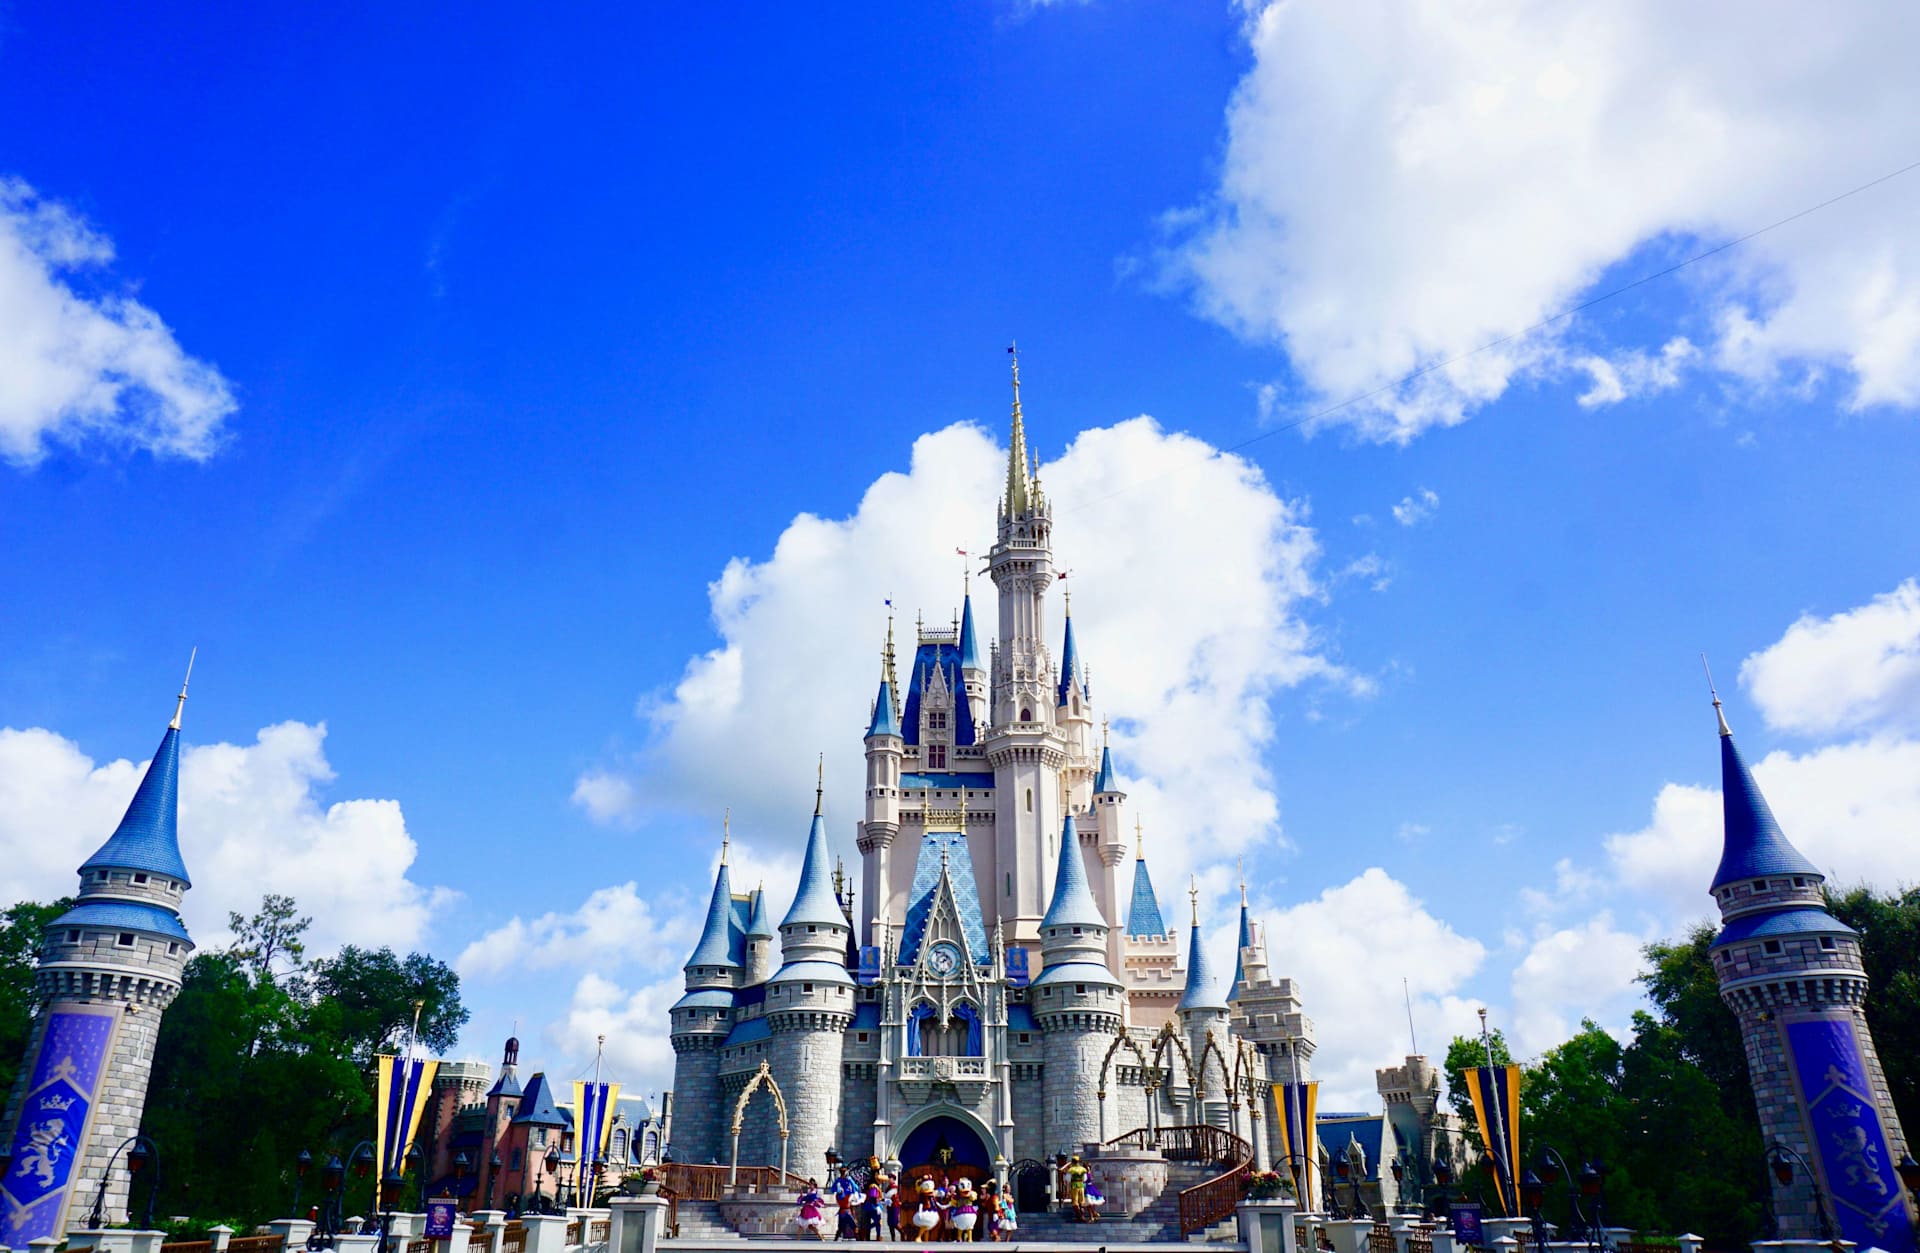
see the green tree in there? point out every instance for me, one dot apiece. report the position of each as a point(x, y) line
point(20, 928)
point(376, 991)
point(272, 933)
point(1464, 1053)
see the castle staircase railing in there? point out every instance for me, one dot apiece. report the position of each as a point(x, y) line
point(682, 1181)
point(1212, 1200)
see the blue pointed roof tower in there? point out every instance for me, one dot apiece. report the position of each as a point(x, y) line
point(815, 901)
point(1246, 941)
point(148, 837)
point(716, 946)
point(1104, 781)
point(884, 721)
point(969, 641)
point(1203, 986)
point(1754, 846)
point(1143, 915)
point(1069, 663)
point(1073, 904)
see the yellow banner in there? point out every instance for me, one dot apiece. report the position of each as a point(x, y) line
point(401, 1085)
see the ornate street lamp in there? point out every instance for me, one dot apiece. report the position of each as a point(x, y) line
point(1554, 1168)
point(1442, 1180)
point(1532, 1193)
point(493, 1173)
point(140, 1152)
point(1782, 1158)
point(462, 1163)
point(553, 1170)
point(1593, 1186)
point(301, 1165)
point(412, 1167)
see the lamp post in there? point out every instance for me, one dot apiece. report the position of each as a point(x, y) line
point(1782, 1158)
point(140, 1152)
point(332, 1180)
point(1593, 1186)
point(1553, 1168)
point(493, 1173)
point(1532, 1193)
point(552, 1162)
point(414, 1160)
point(462, 1163)
point(301, 1165)
point(1439, 1204)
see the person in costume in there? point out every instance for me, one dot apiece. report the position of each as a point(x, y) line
point(873, 1211)
point(812, 1211)
point(845, 1192)
point(926, 1214)
point(1076, 1173)
point(1009, 1215)
point(966, 1213)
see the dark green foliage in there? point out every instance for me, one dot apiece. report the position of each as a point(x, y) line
point(20, 927)
point(251, 1068)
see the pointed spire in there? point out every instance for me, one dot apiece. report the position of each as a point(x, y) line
point(814, 902)
point(726, 832)
point(969, 640)
point(179, 708)
point(716, 942)
point(1103, 781)
point(1073, 904)
point(1203, 989)
point(1069, 661)
point(148, 837)
point(758, 927)
point(1719, 712)
point(1143, 915)
point(1246, 935)
point(1019, 480)
point(819, 783)
point(1754, 845)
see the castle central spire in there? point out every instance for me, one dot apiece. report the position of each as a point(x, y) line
point(1018, 479)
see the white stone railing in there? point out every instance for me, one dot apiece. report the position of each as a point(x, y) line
point(944, 1068)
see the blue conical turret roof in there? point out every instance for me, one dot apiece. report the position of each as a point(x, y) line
point(1103, 781)
point(885, 720)
point(148, 837)
point(758, 927)
point(1073, 904)
point(1246, 941)
point(1203, 987)
point(969, 642)
point(716, 938)
point(1143, 916)
point(1754, 845)
point(1069, 665)
point(814, 901)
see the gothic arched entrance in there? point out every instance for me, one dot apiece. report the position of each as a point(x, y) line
point(943, 1145)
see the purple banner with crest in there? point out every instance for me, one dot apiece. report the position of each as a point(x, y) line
point(1849, 1141)
point(66, 1077)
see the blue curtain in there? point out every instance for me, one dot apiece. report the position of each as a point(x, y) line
point(976, 1042)
point(915, 1044)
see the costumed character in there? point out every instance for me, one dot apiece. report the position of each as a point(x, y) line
point(873, 1210)
point(926, 1214)
point(965, 1213)
point(813, 1211)
point(845, 1190)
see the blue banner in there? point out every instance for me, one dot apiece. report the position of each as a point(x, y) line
point(1017, 974)
point(869, 964)
point(1849, 1141)
point(66, 1078)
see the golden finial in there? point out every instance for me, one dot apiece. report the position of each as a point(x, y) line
point(726, 832)
point(819, 783)
point(1103, 732)
point(175, 724)
point(1139, 840)
point(1240, 863)
point(1718, 712)
point(1193, 892)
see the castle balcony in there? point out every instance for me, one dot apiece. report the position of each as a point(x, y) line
point(923, 1080)
point(944, 1069)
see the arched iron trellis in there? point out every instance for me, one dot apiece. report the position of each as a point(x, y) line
point(762, 1077)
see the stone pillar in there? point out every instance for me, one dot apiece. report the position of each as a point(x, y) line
point(546, 1233)
point(637, 1225)
point(293, 1232)
point(221, 1235)
point(1267, 1226)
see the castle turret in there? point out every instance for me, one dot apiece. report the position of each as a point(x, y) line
point(886, 749)
point(1110, 845)
point(809, 1004)
point(1077, 1003)
point(759, 940)
point(973, 672)
point(701, 1019)
point(107, 971)
point(1203, 1019)
point(1792, 973)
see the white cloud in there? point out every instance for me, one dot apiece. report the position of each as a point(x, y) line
point(1350, 947)
point(1851, 808)
point(612, 923)
point(1854, 670)
point(1404, 184)
point(1186, 674)
point(76, 366)
point(1634, 373)
point(607, 798)
point(1573, 973)
point(251, 822)
point(1417, 508)
point(639, 1051)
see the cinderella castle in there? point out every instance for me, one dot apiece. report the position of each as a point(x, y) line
point(999, 986)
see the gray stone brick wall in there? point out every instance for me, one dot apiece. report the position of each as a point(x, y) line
point(805, 1051)
point(696, 1099)
point(1075, 1046)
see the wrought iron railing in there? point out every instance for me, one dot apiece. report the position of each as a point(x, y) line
point(1213, 1200)
point(601, 1230)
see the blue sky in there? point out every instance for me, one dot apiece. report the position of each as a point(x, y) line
point(427, 369)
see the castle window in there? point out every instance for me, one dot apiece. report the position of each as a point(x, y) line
point(811, 929)
point(173, 947)
point(1025, 1038)
point(1080, 989)
point(125, 940)
point(73, 937)
point(806, 987)
point(936, 719)
point(139, 878)
point(1827, 942)
point(1029, 800)
point(1772, 948)
point(860, 1037)
point(1009, 883)
point(1076, 931)
point(1799, 883)
point(937, 756)
point(1026, 715)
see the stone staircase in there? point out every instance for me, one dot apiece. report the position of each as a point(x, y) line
point(700, 1220)
point(1159, 1222)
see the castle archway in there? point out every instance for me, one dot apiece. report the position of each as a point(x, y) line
point(944, 1140)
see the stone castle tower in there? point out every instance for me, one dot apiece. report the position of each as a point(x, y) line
point(997, 991)
point(108, 969)
point(1792, 972)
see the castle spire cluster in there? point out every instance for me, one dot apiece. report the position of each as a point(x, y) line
point(998, 956)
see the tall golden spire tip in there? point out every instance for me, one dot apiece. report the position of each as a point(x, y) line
point(1139, 840)
point(181, 704)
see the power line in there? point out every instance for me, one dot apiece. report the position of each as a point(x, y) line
point(1550, 320)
